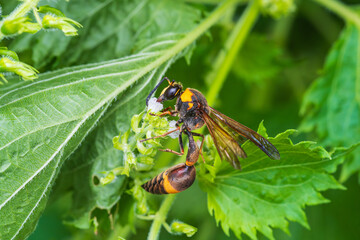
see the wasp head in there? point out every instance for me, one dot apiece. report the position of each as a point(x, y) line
point(170, 92)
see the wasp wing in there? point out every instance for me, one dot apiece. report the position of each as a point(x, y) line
point(227, 147)
point(245, 132)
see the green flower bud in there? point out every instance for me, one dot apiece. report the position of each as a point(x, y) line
point(140, 198)
point(277, 8)
point(24, 70)
point(146, 160)
point(135, 121)
point(126, 170)
point(140, 166)
point(142, 149)
point(108, 178)
point(117, 143)
point(125, 137)
point(130, 158)
point(117, 171)
point(19, 25)
point(5, 52)
point(63, 23)
point(180, 227)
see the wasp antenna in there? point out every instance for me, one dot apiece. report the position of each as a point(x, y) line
point(167, 80)
point(156, 87)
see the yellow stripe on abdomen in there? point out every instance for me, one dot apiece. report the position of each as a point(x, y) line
point(167, 185)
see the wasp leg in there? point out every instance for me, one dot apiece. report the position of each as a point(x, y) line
point(165, 112)
point(165, 109)
point(202, 140)
point(173, 180)
point(181, 146)
point(201, 145)
point(171, 151)
point(202, 156)
point(168, 108)
point(162, 135)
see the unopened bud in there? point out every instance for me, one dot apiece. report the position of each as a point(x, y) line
point(24, 70)
point(62, 23)
point(18, 26)
point(180, 227)
point(277, 8)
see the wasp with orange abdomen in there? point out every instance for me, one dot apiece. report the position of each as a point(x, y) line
point(194, 112)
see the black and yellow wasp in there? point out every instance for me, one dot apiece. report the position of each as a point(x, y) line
point(193, 111)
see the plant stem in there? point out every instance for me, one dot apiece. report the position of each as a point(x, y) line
point(227, 55)
point(342, 10)
point(37, 17)
point(160, 217)
point(20, 11)
point(190, 37)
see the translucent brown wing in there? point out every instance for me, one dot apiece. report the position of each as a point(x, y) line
point(234, 127)
point(227, 147)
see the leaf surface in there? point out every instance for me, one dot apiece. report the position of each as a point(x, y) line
point(111, 29)
point(43, 122)
point(268, 193)
point(331, 106)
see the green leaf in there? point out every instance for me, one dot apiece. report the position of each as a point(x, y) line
point(268, 193)
point(43, 122)
point(331, 106)
point(47, 9)
point(80, 172)
point(111, 29)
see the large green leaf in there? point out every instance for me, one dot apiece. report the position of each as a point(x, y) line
point(331, 106)
point(43, 122)
point(111, 29)
point(97, 155)
point(268, 193)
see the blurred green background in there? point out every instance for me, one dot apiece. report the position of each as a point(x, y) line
point(269, 77)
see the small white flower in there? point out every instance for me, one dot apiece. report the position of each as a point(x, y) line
point(172, 127)
point(154, 106)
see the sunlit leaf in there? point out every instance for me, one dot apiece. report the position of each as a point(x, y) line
point(267, 193)
point(97, 155)
point(42, 123)
point(331, 106)
point(111, 29)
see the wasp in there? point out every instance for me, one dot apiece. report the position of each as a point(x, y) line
point(193, 112)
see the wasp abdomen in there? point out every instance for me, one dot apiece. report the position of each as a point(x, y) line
point(173, 180)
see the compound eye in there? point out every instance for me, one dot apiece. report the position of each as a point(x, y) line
point(171, 92)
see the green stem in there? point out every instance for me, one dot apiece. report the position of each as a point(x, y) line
point(20, 11)
point(160, 217)
point(328, 27)
point(342, 10)
point(37, 17)
point(190, 37)
point(227, 55)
